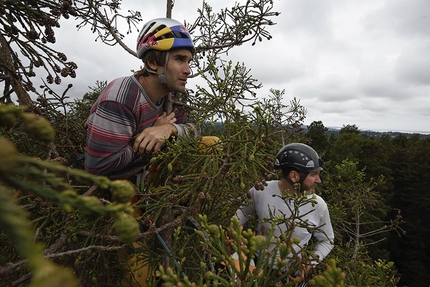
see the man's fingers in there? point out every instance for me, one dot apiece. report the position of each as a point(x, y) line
point(137, 140)
point(171, 117)
point(152, 138)
point(148, 146)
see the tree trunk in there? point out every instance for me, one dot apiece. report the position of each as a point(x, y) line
point(9, 70)
point(169, 8)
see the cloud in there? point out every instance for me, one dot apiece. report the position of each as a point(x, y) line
point(413, 65)
point(305, 16)
point(405, 18)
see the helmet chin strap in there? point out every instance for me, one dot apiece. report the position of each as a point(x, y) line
point(163, 78)
point(302, 179)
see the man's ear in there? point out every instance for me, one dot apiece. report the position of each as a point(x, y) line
point(294, 176)
point(152, 65)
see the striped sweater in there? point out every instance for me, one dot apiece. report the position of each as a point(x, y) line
point(122, 111)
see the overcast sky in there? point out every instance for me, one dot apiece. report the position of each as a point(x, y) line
point(362, 62)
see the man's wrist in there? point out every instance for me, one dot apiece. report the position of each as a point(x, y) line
point(174, 129)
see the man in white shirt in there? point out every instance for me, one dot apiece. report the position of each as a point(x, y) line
point(300, 165)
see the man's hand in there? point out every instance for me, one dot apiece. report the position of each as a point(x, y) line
point(300, 275)
point(153, 138)
point(165, 119)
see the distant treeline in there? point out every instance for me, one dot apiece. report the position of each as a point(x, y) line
point(336, 131)
point(403, 160)
point(376, 134)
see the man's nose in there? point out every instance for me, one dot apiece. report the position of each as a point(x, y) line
point(187, 69)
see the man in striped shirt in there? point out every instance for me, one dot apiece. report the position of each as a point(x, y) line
point(128, 120)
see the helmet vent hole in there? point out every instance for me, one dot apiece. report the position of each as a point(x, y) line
point(159, 28)
point(148, 28)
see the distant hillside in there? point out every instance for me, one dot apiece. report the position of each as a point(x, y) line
point(335, 130)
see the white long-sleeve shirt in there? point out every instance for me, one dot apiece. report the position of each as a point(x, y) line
point(317, 216)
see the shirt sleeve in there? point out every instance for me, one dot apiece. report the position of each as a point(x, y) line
point(324, 236)
point(109, 139)
point(187, 130)
point(185, 126)
point(245, 211)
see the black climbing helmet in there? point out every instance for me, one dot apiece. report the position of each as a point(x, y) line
point(300, 157)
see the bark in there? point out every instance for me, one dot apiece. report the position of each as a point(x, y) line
point(9, 74)
point(169, 8)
